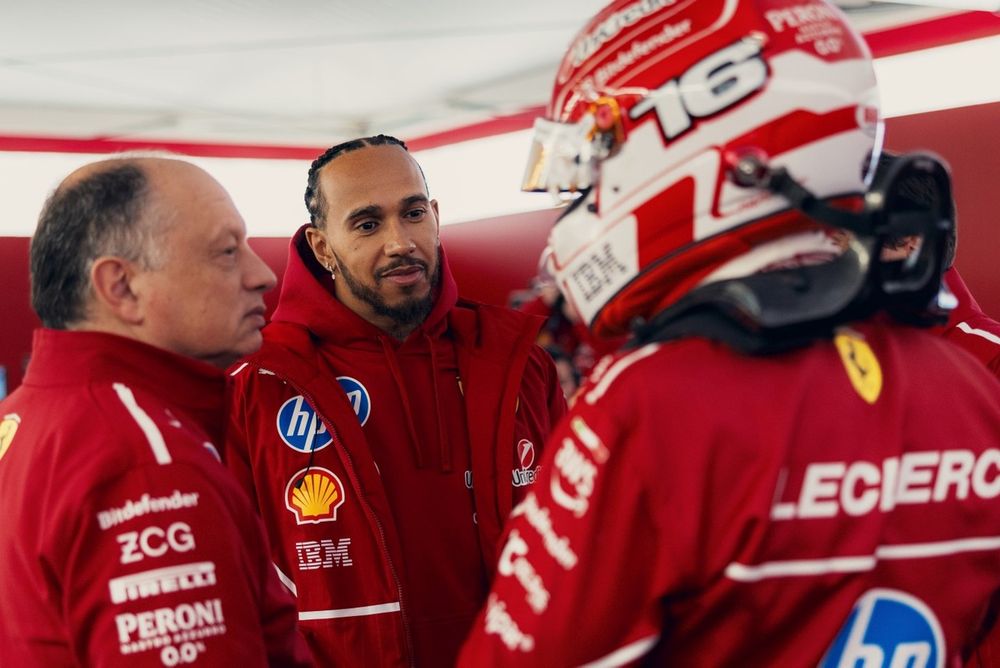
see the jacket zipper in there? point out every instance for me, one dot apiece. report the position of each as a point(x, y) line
point(369, 512)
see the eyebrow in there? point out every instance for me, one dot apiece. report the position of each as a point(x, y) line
point(375, 210)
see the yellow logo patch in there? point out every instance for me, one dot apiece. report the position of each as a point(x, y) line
point(313, 495)
point(861, 365)
point(8, 427)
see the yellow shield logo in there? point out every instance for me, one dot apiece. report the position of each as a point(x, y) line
point(8, 427)
point(313, 495)
point(861, 365)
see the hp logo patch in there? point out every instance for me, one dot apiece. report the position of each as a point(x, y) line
point(888, 628)
point(358, 396)
point(300, 428)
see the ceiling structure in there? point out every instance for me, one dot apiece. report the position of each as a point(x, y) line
point(297, 73)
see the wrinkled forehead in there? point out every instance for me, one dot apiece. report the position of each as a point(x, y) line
point(186, 201)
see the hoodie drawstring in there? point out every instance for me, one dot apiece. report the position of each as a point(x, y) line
point(442, 436)
point(397, 375)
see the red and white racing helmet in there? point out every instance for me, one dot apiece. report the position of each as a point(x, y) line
point(654, 105)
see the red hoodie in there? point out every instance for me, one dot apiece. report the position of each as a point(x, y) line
point(384, 469)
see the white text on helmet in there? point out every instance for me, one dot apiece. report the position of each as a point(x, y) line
point(614, 24)
point(708, 87)
point(799, 15)
point(860, 487)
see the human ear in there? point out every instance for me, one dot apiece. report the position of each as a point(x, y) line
point(437, 220)
point(112, 282)
point(321, 247)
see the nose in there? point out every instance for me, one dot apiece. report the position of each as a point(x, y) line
point(398, 241)
point(257, 275)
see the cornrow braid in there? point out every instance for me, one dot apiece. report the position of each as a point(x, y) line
point(315, 203)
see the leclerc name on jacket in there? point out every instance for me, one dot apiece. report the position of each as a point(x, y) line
point(860, 487)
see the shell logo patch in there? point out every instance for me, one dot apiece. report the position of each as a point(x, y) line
point(313, 495)
point(358, 395)
point(861, 365)
point(8, 427)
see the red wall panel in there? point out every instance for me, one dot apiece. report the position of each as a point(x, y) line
point(17, 320)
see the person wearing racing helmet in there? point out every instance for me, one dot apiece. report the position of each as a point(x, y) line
point(770, 473)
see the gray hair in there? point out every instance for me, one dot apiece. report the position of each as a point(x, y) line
point(98, 214)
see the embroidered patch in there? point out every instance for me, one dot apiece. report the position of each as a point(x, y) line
point(300, 428)
point(358, 395)
point(861, 365)
point(313, 495)
point(8, 427)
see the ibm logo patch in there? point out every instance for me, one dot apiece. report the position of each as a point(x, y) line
point(316, 554)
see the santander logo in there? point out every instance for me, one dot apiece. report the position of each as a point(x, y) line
point(526, 453)
point(525, 475)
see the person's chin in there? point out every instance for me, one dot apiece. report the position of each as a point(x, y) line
point(416, 291)
point(248, 344)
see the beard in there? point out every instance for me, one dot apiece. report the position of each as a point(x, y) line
point(406, 315)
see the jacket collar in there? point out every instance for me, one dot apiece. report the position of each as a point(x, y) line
point(66, 358)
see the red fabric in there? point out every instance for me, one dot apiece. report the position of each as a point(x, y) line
point(408, 554)
point(671, 514)
point(187, 577)
point(970, 328)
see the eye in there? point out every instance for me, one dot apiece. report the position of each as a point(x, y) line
point(366, 226)
point(416, 214)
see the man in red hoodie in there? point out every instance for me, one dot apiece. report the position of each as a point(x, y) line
point(125, 541)
point(386, 427)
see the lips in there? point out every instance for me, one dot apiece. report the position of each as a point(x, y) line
point(259, 313)
point(406, 273)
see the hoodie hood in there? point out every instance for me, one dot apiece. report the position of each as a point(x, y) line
point(307, 299)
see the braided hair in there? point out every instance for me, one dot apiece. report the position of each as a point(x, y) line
point(315, 203)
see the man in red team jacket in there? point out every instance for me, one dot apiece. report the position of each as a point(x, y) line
point(125, 541)
point(386, 427)
point(785, 467)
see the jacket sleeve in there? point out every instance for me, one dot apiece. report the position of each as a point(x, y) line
point(166, 565)
point(556, 599)
point(970, 328)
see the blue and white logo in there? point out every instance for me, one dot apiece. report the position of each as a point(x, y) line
point(357, 394)
point(300, 428)
point(888, 628)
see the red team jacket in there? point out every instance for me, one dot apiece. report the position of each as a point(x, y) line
point(384, 470)
point(832, 506)
point(970, 328)
point(124, 541)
